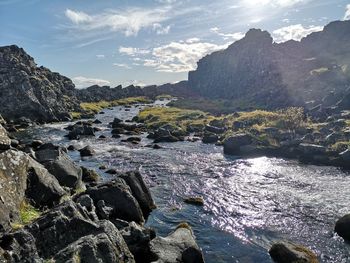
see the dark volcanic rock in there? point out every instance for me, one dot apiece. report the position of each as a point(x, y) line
point(342, 227)
point(87, 151)
point(33, 92)
point(233, 144)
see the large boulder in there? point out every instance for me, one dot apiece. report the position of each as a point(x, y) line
point(33, 92)
point(80, 129)
point(284, 252)
point(5, 141)
point(140, 191)
point(67, 234)
point(23, 178)
point(58, 163)
point(179, 247)
point(114, 200)
point(233, 143)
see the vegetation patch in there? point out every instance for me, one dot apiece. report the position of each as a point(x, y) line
point(27, 214)
point(95, 107)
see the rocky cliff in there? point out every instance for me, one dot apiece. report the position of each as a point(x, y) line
point(255, 71)
point(33, 92)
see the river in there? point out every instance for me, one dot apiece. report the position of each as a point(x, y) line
point(249, 203)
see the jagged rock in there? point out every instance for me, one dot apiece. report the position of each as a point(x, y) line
point(138, 238)
point(21, 177)
point(233, 143)
point(140, 191)
point(40, 95)
point(117, 195)
point(5, 141)
point(179, 247)
point(67, 233)
point(86, 151)
point(284, 252)
point(58, 163)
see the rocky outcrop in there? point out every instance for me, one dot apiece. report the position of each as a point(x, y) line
point(233, 144)
point(255, 72)
point(23, 178)
point(67, 234)
point(33, 92)
point(342, 227)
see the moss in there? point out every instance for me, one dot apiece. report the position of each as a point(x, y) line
point(197, 200)
point(312, 258)
point(27, 214)
point(164, 96)
point(75, 115)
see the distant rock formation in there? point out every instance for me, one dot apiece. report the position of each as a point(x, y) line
point(97, 93)
point(33, 92)
point(255, 72)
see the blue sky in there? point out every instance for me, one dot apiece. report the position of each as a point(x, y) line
point(151, 41)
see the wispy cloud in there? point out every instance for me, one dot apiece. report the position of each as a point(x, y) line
point(274, 3)
point(100, 56)
point(84, 82)
point(347, 12)
point(122, 65)
point(295, 32)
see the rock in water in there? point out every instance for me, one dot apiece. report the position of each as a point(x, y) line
point(179, 246)
point(284, 252)
point(342, 227)
point(233, 144)
point(40, 95)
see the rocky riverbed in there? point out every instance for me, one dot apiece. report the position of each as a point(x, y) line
point(242, 205)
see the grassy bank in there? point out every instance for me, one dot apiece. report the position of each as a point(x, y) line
point(95, 107)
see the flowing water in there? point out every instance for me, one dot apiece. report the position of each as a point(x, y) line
point(249, 203)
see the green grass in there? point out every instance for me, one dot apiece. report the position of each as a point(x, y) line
point(95, 107)
point(164, 96)
point(156, 117)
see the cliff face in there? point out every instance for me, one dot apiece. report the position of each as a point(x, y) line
point(254, 71)
point(33, 92)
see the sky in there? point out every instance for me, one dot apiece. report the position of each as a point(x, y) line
point(112, 42)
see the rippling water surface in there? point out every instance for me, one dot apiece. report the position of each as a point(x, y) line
point(249, 203)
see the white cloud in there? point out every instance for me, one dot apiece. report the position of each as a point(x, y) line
point(122, 65)
point(274, 3)
point(180, 56)
point(100, 56)
point(233, 37)
point(83, 82)
point(78, 17)
point(160, 30)
point(347, 13)
point(295, 32)
point(129, 21)
point(132, 51)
